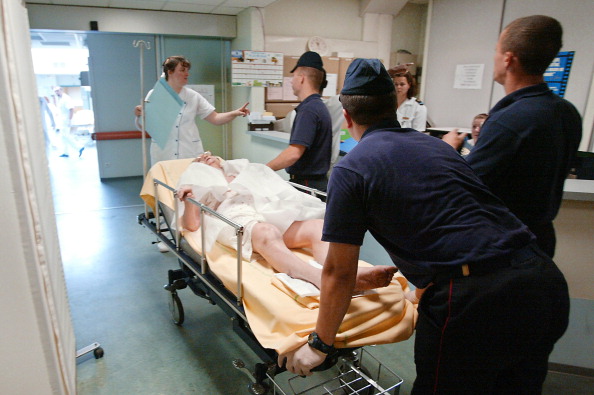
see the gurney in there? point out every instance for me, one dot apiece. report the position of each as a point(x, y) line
point(267, 315)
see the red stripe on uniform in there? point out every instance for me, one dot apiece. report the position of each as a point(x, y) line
point(442, 334)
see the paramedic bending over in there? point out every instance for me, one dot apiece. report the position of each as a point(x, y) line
point(184, 140)
point(266, 238)
point(411, 112)
point(494, 303)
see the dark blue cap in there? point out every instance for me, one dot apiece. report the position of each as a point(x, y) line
point(310, 59)
point(367, 77)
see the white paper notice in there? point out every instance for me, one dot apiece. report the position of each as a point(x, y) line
point(469, 76)
point(330, 89)
point(288, 90)
point(274, 93)
point(207, 91)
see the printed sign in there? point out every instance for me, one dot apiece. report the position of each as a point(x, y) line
point(256, 68)
point(557, 73)
point(469, 76)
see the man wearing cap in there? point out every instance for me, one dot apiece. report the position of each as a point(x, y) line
point(494, 304)
point(307, 158)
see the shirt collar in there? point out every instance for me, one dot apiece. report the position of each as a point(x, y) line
point(529, 91)
point(309, 98)
point(385, 124)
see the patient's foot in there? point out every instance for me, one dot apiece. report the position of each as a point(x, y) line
point(370, 277)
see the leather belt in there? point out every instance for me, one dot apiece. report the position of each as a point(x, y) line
point(482, 268)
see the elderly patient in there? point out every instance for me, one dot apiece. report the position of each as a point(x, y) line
point(275, 216)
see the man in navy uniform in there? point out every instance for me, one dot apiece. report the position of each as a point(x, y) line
point(307, 158)
point(530, 139)
point(493, 304)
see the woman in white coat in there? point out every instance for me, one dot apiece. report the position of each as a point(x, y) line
point(411, 112)
point(184, 140)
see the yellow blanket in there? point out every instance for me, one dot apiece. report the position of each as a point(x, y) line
point(279, 319)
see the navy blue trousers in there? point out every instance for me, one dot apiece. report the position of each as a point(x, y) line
point(493, 333)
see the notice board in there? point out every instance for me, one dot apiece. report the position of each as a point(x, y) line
point(256, 68)
point(557, 73)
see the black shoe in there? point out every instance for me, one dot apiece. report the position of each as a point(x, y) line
point(64, 156)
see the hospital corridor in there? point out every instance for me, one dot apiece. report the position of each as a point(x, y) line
point(115, 276)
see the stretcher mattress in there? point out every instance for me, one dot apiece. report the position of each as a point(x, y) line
point(280, 319)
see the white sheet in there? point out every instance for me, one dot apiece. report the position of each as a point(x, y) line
point(276, 201)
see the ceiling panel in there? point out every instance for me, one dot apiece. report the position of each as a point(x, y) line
point(173, 3)
point(95, 3)
point(227, 10)
point(138, 4)
point(222, 7)
point(190, 7)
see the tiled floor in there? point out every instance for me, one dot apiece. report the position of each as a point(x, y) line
point(115, 278)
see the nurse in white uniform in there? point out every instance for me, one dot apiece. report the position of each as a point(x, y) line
point(184, 140)
point(411, 112)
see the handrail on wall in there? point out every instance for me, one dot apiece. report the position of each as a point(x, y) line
point(122, 135)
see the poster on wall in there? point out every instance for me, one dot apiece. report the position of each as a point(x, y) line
point(256, 68)
point(469, 76)
point(207, 91)
point(557, 74)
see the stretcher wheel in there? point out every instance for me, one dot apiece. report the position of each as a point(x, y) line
point(176, 308)
point(98, 353)
point(258, 388)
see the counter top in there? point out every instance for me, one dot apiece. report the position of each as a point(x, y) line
point(578, 190)
point(275, 135)
point(573, 190)
point(446, 129)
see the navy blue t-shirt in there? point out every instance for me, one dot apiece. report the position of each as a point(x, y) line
point(312, 128)
point(525, 150)
point(421, 201)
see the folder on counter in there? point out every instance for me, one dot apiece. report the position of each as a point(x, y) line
point(347, 145)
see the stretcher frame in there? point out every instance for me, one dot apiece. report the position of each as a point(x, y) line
point(194, 273)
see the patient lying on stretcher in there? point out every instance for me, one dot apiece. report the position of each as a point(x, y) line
point(275, 216)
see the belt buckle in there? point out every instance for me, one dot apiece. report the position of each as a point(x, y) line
point(465, 270)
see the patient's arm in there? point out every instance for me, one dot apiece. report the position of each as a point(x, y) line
point(190, 220)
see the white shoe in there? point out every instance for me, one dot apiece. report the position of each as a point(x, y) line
point(162, 247)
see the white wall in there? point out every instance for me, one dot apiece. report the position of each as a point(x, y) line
point(250, 35)
point(466, 31)
point(289, 24)
point(462, 32)
point(408, 30)
point(337, 19)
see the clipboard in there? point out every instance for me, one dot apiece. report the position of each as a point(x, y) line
point(162, 107)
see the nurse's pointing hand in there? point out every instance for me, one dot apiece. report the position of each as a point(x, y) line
point(244, 110)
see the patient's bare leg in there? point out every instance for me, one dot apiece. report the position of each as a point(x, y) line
point(308, 234)
point(274, 247)
point(267, 240)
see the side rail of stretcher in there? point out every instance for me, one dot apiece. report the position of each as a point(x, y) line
point(204, 209)
point(238, 227)
point(311, 191)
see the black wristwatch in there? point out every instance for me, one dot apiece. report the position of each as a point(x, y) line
point(314, 342)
